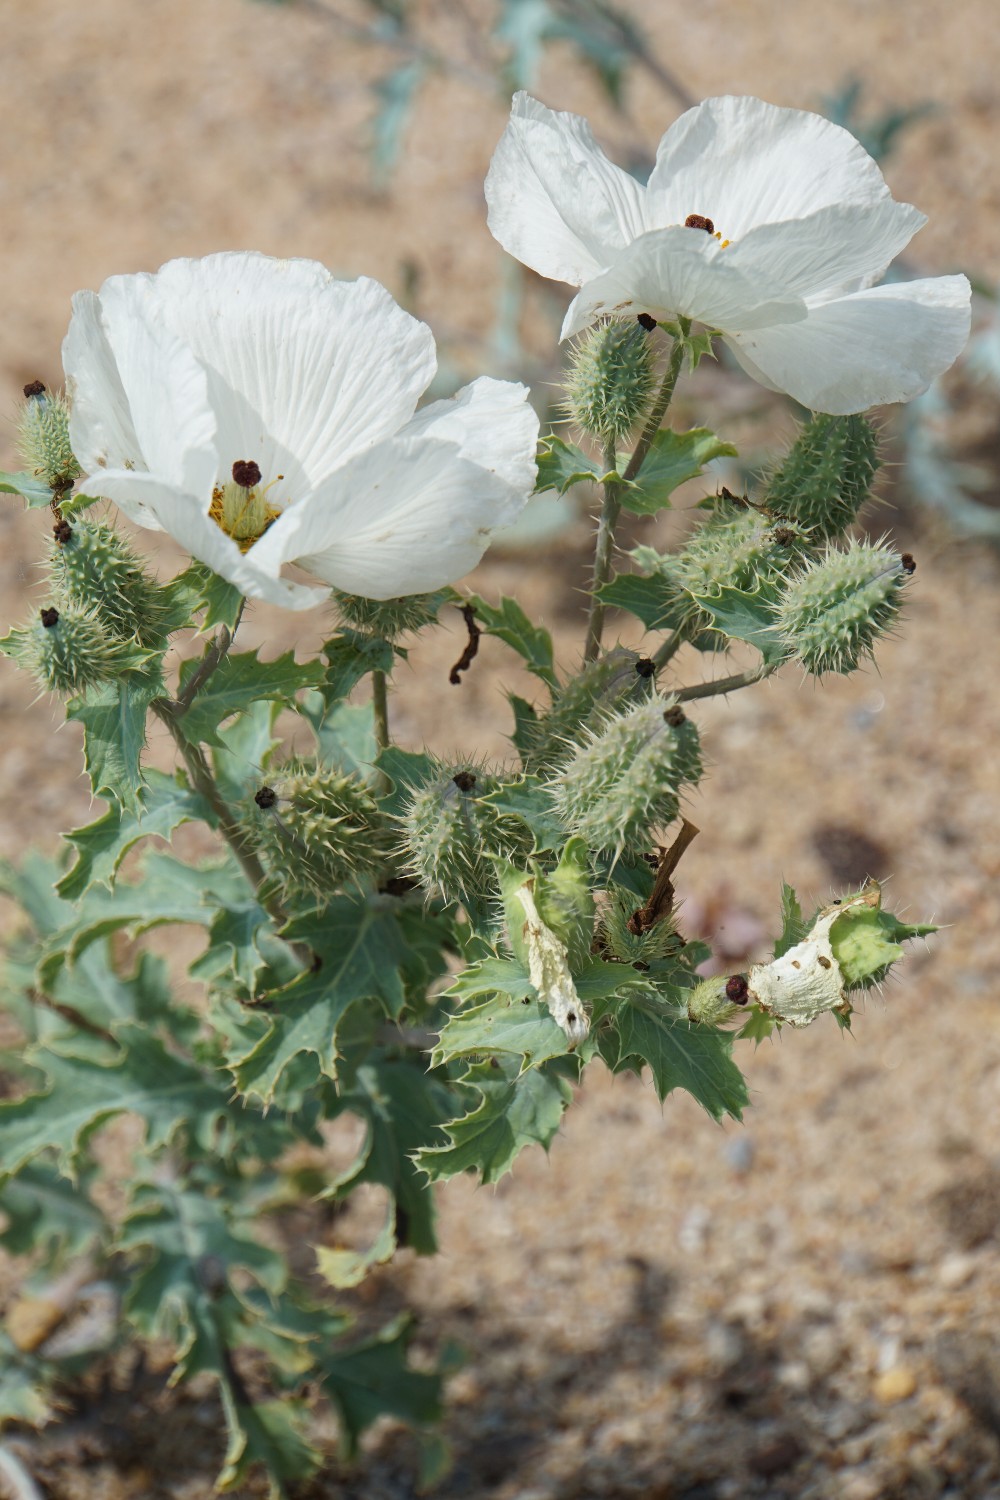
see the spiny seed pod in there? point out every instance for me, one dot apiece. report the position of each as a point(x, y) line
point(316, 830)
point(833, 612)
point(824, 479)
point(69, 649)
point(43, 437)
point(93, 564)
point(618, 678)
point(628, 778)
point(611, 379)
point(388, 619)
point(617, 933)
point(712, 1002)
point(451, 835)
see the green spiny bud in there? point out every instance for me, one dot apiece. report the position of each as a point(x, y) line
point(388, 619)
point(317, 830)
point(824, 479)
point(94, 565)
point(615, 679)
point(627, 778)
point(621, 936)
point(834, 611)
point(451, 835)
point(715, 1001)
point(43, 437)
point(69, 649)
point(611, 379)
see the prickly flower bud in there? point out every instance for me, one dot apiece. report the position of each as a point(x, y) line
point(388, 619)
point(316, 830)
point(834, 611)
point(611, 380)
point(824, 479)
point(627, 778)
point(715, 1001)
point(613, 680)
point(618, 936)
point(43, 437)
point(451, 834)
point(69, 649)
point(94, 565)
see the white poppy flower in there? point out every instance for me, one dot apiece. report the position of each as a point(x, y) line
point(768, 225)
point(262, 413)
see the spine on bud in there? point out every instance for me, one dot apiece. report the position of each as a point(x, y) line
point(452, 835)
point(69, 649)
point(43, 437)
point(832, 614)
point(825, 478)
point(321, 830)
point(611, 380)
point(388, 619)
point(618, 678)
point(93, 565)
point(628, 778)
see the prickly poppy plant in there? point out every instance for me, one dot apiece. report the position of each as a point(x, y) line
point(435, 949)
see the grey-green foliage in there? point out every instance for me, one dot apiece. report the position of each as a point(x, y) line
point(436, 949)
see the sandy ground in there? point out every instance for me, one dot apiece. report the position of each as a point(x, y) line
point(802, 1307)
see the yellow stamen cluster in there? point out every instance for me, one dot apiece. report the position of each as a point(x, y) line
point(241, 509)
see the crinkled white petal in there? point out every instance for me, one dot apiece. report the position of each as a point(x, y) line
point(101, 430)
point(304, 370)
point(683, 272)
point(834, 247)
point(742, 162)
point(874, 347)
point(404, 518)
point(167, 412)
point(493, 424)
point(555, 200)
point(183, 517)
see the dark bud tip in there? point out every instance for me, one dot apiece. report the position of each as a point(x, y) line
point(266, 797)
point(647, 321)
point(465, 781)
point(737, 989)
point(62, 531)
point(49, 618)
point(34, 388)
point(698, 221)
point(246, 473)
point(784, 536)
point(645, 666)
point(675, 716)
point(908, 562)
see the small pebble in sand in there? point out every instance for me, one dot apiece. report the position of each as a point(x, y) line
point(894, 1385)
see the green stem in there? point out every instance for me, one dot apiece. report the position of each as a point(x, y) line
point(211, 659)
point(612, 507)
point(380, 704)
point(670, 647)
point(725, 684)
point(603, 552)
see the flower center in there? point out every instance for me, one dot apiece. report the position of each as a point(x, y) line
point(240, 507)
point(698, 221)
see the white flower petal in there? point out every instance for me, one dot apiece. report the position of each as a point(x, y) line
point(183, 516)
point(155, 390)
point(304, 370)
point(868, 349)
point(102, 433)
point(493, 424)
point(833, 247)
point(404, 518)
point(555, 200)
point(741, 162)
point(683, 272)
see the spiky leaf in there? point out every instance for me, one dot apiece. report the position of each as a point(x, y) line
point(682, 1055)
point(673, 458)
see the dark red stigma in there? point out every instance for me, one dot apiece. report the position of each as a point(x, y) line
point(34, 388)
point(737, 989)
point(246, 473)
point(50, 617)
point(698, 221)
